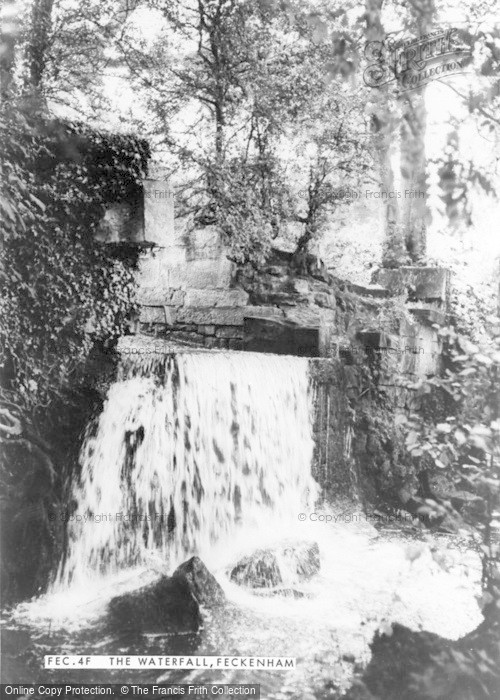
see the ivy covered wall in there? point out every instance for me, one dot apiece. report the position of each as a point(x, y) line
point(65, 298)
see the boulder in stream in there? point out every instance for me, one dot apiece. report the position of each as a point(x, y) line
point(164, 606)
point(286, 565)
point(167, 605)
point(203, 585)
point(171, 604)
point(418, 665)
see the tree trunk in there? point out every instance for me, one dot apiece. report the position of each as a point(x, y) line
point(415, 214)
point(382, 125)
point(10, 35)
point(413, 177)
point(39, 42)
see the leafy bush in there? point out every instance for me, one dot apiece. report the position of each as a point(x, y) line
point(464, 441)
point(249, 205)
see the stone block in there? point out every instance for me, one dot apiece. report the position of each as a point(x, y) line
point(326, 331)
point(428, 316)
point(306, 342)
point(303, 316)
point(206, 330)
point(167, 268)
point(204, 244)
point(205, 316)
point(154, 297)
point(376, 340)
point(153, 277)
point(157, 314)
point(229, 332)
point(176, 297)
point(285, 299)
point(424, 357)
point(426, 283)
point(371, 290)
point(145, 345)
point(280, 337)
point(270, 312)
point(158, 212)
point(216, 297)
point(205, 274)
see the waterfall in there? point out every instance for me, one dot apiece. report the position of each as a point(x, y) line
point(189, 449)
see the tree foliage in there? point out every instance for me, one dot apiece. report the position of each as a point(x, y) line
point(457, 432)
point(237, 92)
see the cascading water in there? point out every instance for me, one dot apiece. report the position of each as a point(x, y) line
point(210, 453)
point(190, 449)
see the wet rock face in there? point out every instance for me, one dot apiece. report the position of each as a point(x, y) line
point(280, 337)
point(203, 586)
point(290, 563)
point(422, 665)
point(167, 605)
point(171, 604)
point(305, 555)
point(260, 570)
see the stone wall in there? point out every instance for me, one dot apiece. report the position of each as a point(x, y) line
point(334, 467)
point(371, 340)
point(190, 292)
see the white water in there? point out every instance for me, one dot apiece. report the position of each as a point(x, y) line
point(185, 434)
point(190, 452)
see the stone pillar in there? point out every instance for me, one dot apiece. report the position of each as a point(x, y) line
point(158, 209)
point(427, 298)
point(147, 219)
